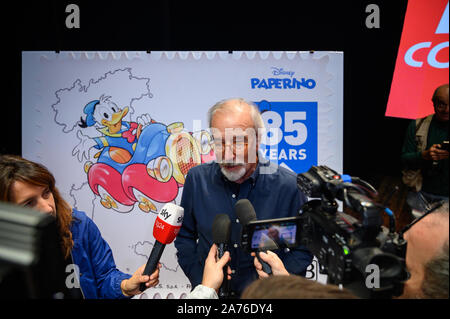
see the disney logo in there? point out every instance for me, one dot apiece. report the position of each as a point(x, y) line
point(281, 71)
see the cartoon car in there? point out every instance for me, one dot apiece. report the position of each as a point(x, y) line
point(154, 171)
point(137, 162)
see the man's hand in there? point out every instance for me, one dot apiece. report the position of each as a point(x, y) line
point(213, 271)
point(130, 287)
point(435, 153)
point(274, 262)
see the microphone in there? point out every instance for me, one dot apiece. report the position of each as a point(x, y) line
point(246, 213)
point(221, 231)
point(166, 228)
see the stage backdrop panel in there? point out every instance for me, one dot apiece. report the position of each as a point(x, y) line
point(158, 102)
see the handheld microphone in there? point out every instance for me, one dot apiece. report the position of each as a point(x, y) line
point(246, 213)
point(166, 228)
point(221, 231)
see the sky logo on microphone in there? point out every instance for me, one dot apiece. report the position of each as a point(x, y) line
point(168, 223)
point(165, 214)
point(171, 214)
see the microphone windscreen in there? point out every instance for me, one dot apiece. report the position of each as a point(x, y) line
point(244, 211)
point(221, 229)
point(168, 223)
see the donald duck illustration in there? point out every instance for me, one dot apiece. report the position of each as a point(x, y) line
point(119, 135)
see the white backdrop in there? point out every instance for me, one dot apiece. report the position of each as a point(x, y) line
point(300, 92)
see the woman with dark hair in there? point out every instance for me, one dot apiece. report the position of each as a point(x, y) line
point(30, 184)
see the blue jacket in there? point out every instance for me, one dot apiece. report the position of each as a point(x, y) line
point(99, 277)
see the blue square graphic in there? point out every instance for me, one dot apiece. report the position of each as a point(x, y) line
point(291, 137)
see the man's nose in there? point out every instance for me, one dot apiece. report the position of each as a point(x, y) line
point(228, 153)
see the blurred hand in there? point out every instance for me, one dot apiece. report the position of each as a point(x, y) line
point(213, 271)
point(130, 287)
point(434, 153)
point(274, 262)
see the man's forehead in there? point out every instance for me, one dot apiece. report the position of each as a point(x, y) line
point(428, 234)
point(235, 104)
point(243, 110)
point(434, 220)
point(442, 93)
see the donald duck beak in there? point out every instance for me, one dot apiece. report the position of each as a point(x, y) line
point(116, 121)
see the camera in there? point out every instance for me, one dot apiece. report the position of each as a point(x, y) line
point(349, 251)
point(344, 246)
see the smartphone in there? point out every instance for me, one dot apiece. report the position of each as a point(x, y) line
point(271, 234)
point(444, 146)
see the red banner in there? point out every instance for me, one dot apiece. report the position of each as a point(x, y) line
point(422, 60)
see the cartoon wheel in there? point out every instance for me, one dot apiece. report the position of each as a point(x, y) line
point(203, 139)
point(105, 182)
point(183, 151)
point(150, 183)
point(145, 203)
point(109, 202)
point(160, 168)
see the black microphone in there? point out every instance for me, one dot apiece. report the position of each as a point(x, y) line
point(246, 213)
point(221, 231)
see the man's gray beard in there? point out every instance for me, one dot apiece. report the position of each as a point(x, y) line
point(233, 176)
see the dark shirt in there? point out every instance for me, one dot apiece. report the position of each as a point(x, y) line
point(207, 193)
point(435, 176)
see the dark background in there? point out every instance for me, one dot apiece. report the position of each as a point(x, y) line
point(372, 142)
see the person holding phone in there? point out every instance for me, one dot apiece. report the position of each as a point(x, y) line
point(424, 148)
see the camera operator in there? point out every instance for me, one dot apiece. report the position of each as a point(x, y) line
point(427, 257)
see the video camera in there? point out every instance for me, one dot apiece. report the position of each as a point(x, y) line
point(348, 250)
point(31, 260)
